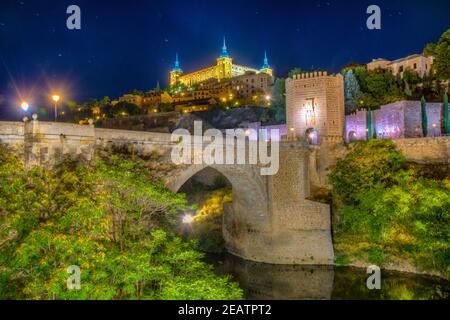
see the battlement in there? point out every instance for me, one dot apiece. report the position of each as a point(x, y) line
point(307, 75)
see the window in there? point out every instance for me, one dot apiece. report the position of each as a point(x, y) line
point(415, 66)
point(400, 69)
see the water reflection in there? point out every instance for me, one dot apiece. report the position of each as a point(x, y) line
point(267, 282)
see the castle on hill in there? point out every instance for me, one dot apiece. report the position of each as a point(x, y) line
point(223, 69)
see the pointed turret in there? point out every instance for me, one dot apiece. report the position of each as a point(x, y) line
point(176, 67)
point(224, 53)
point(266, 67)
point(266, 62)
point(175, 73)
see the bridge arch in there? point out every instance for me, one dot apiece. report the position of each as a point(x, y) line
point(249, 210)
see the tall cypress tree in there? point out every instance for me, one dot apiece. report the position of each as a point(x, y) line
point(424, 117)
point(445, 114)
point(369, 124)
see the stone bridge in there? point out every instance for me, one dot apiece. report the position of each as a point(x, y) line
point(271, 218)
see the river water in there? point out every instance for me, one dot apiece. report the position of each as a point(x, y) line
point(275, 282)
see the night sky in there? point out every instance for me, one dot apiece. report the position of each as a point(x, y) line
point(131, 44)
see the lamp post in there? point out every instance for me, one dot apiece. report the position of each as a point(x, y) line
point(56, 98)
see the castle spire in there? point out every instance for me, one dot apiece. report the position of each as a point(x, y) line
point(224, 53)
point(176, 67)
point(266, 62)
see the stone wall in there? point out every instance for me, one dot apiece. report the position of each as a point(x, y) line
point(425, 150)
point(157, 122)
point(397, 120)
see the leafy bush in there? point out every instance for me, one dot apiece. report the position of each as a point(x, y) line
point(112, 220)
point(387, 208)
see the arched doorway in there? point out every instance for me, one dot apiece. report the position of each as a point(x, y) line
point(312, 136)
point(352, 136)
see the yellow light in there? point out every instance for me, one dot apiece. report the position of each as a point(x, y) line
point(292, 129)
point(267, 97)
point(56, 98)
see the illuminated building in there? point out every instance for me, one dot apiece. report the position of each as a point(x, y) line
point(224, 69)
point(416, 63)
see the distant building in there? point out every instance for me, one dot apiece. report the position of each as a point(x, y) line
point(223, 69)
point(416, 62)
point(132, 98)
point(155, 98)
point(315, 106)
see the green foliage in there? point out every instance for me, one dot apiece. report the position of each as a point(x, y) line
point(445, 115)
point(353, 94)
point(207, 228)
point(424, 117)
point(386, 209)
point(441, 53)
point(279, 100)
point(110, 218)
point(371, 89)
point(123, 109)
point(382, 88)
point(366, 164)
point(294, 71)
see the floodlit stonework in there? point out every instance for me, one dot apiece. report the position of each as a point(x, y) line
point(396, 120)
point(315, 106)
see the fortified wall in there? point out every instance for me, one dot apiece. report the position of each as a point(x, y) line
point(396, 120)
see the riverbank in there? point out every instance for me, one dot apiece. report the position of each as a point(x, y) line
point(294, 282)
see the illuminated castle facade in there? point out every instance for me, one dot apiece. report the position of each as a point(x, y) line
point(224, 69)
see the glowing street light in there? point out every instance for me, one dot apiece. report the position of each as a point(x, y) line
point(188, 219)
point(56, 98)
point(25, 106)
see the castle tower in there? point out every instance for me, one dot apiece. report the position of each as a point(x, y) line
point(315, 107)
point(266, 67)
point(224, 64)
point(175, 73)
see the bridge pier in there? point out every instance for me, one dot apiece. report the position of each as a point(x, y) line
point(293, 229)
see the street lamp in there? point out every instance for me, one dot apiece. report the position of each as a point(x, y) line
point(25, 106)
point(56, 98)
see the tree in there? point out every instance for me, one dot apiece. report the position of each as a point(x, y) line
point(429, 50)
point(111, 218)
point(369, 124)
point(424, 117)
point(411, 79)
point(352, 91)
point(441, 53)
point(279, 100)
point(294, 72)
point(386, 207)
point(137, 92)
point(123, 109)
point(445, 115)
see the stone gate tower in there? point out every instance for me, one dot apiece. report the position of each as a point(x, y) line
point(315, 106)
